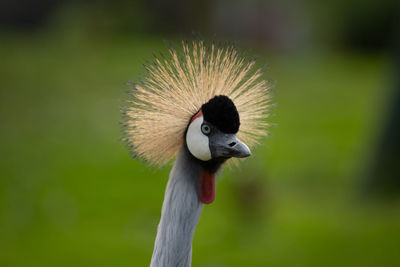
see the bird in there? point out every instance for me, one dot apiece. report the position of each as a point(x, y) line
point(203, 104)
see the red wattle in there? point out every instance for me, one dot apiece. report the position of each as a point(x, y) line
point(207, 187)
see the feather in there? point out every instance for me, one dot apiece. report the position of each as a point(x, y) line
point(175, 88)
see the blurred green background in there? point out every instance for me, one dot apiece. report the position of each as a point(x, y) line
point(314, 194)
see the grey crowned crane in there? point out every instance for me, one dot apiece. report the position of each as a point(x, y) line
point(191, 105)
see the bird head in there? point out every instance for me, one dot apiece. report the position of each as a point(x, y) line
point(211, 133)
point(192, 99)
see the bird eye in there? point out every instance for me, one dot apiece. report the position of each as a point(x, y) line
point(205, 129)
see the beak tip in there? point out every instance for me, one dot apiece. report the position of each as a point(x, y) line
point(247, 154)
point(245, 151)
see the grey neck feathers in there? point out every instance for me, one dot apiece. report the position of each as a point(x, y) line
point(180, 213)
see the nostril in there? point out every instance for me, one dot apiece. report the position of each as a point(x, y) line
point(232, 144)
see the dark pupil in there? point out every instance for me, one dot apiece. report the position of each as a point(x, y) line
point(205, 129)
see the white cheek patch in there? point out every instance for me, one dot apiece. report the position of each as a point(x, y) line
point(197, 142)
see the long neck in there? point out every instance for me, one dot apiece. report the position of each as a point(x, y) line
point(180, 213)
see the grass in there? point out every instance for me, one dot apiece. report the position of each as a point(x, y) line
point(71, 196)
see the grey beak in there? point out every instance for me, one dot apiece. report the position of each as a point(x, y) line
point(227, 146)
